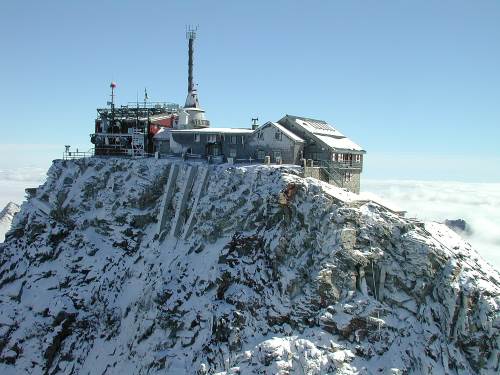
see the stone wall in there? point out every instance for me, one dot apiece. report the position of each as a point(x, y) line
point(313, 172)
point(352, 185)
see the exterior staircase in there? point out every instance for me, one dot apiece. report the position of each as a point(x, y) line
point(331, 174)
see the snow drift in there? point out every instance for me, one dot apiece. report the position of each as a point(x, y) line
point(150, 266)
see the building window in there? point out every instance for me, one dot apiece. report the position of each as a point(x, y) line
point(278, 136)
point(211, 138)
point(242, 140)
point(357, 158)
point(261, 154)
point(277, 155)
point(233, 139)
point(196, 137)
point(347, 176)
point(232, 153)
point(260, 135)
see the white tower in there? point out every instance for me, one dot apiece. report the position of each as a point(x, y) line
point(192, 116)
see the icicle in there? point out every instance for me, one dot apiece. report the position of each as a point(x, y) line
point(362, 287)
point(381, 283)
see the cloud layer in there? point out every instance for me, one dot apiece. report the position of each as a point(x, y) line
point(477, 203)
point(14, 181)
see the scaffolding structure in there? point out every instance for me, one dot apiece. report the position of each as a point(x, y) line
point(126, 130)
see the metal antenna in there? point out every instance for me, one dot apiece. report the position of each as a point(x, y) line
point(191, 36)
point(112, 85)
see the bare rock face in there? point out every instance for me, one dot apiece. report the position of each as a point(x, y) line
point(459, 226)
point(119, 266)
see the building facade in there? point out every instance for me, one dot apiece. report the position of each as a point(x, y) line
point(323, 151)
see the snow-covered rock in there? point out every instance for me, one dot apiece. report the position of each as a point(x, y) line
point(6, 216)
point(118, 266)
point(459, 226)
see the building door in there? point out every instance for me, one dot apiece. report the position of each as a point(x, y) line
point(213, 149)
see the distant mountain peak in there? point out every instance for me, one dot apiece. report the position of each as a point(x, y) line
point(10, 208)
point(459, 226)
point(6, 216)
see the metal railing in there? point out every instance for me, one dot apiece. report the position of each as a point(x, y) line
point(103, 152)
point(148, 104)
point(346, 164)
point(70, 155)
point(200, 123)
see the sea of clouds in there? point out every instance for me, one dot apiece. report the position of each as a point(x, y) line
point(14, 181)
point(23, 166)
point(477, 203)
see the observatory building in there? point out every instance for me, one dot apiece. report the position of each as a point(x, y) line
point(169, 130)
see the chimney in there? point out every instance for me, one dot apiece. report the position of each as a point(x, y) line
point(254, 123)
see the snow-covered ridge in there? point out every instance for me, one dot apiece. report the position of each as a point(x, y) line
point(6, 216)
point(144, 266)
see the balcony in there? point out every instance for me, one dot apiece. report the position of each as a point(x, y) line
point(195, 123)
point(351, 164)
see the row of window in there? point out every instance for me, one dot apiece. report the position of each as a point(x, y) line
point(278, 135)
point(261, 154)
point(233, 139)
point(212, 138)
point(356, 158)
point(347, 176)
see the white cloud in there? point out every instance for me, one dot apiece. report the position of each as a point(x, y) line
point(477, 203)
point(14, 181)
point(28, 174)
point(13, 191)
point(22, 166)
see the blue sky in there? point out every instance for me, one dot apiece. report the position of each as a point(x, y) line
point(416, 83)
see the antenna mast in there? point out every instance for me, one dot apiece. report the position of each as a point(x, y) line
point(191, 36)
point(112, 85)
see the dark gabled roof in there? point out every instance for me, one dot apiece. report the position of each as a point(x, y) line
point(324, 133)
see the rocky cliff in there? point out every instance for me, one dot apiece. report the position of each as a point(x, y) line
point(150, 266)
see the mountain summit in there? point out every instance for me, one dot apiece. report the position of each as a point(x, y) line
point(119, 266)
